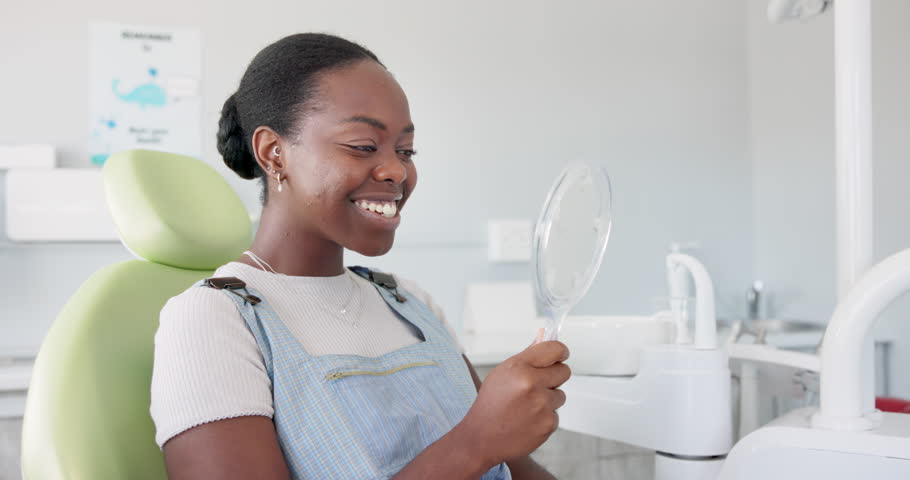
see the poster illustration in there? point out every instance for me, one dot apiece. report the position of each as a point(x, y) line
point(144, 89)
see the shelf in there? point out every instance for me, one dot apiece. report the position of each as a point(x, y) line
point(15, 377)
point(10, 245)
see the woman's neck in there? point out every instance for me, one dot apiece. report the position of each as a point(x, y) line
point(292, 250)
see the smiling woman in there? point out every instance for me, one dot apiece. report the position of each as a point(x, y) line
point(354, 144)
point(318, 371)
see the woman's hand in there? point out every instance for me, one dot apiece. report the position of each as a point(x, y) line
point(514, 413)
point(515, 410)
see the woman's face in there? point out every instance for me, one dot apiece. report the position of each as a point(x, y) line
point(349, 171)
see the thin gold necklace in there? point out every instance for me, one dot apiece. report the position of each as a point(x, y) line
point(343, 310)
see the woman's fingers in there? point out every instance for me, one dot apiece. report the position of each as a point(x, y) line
point(544, 354)
point(556, 374)
point(557, 398)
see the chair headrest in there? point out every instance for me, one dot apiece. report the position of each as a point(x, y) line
point(175, 210)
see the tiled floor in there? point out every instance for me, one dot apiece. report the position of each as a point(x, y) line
point(573, 456)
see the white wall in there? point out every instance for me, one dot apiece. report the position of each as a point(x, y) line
point(502, 93)
point(792, 142)
point(792, 132)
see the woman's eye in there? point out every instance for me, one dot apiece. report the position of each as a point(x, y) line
point(363, 148)
point(407, 153)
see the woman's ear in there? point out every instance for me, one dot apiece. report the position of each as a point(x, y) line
point(267, 150)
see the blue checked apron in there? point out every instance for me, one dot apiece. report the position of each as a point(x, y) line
point(353, 417)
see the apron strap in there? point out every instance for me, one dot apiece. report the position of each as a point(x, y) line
point(248, 303)
point(383, 280)
point(232, 284)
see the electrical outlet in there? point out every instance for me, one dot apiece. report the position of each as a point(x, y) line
point(509, 240)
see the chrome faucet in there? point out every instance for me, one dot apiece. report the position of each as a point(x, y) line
point(753, 301)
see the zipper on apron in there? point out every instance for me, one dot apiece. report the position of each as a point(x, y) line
point(340, 375)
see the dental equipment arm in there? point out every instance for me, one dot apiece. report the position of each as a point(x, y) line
point(845, 396)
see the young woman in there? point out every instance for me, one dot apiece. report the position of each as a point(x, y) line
point(312, 370)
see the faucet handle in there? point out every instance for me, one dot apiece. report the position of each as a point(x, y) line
point(754, 300)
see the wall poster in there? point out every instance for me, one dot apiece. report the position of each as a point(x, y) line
point(144, 89)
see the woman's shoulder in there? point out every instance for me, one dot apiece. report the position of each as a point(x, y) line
point(207, 365)
point(198, 306)
point(197, 299)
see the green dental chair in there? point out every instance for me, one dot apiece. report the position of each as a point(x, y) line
point(87, 412)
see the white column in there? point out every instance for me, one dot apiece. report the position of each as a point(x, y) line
point(854, 171)
point(855, 202)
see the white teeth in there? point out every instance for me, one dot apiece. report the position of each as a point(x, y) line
point(386, 209)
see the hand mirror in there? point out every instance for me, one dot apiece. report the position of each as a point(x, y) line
point(570, 240)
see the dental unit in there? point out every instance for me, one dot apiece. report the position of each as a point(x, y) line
point(672, 404)
point(679, 401)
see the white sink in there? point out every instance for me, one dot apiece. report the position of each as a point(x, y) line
point(611, 345)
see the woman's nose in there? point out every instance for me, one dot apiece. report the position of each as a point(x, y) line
point(391, 170)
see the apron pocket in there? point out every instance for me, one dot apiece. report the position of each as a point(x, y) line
point(397, 413)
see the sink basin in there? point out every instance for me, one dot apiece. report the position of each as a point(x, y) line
point(611, 345)
point(777, 325)
point(785, 333)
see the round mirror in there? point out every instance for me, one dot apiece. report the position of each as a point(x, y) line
point(570, 240)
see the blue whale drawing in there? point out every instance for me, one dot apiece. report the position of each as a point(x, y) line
point(144, 95)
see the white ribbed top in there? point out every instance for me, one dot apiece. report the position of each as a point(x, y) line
point(208, 366)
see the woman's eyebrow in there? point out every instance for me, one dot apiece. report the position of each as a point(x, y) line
point(375, 123)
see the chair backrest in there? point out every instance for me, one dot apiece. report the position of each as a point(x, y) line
point(87, 411)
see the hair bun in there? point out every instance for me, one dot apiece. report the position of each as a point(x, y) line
point(232, 142)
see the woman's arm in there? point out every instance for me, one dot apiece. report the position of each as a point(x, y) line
point(234, 448)
point(525, 468)
point(247, 447)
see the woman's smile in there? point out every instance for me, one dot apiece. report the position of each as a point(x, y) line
point(378, 212)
